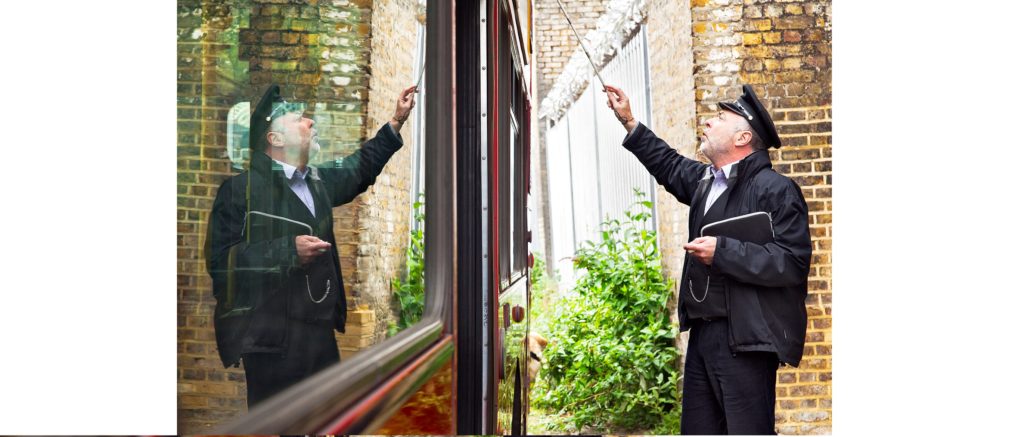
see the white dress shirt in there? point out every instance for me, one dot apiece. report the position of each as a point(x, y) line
point(718, 184)
point(297, 182)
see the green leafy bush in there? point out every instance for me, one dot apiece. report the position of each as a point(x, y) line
point(408, 292)
point(611, 362)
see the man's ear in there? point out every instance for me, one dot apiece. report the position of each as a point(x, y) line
point(742, 138)
point(274, 139)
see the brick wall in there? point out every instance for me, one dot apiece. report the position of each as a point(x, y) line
point(552, 33)
point(672, 109)
point(783, 49)
point(788, 60)
point(319, 52)
point(717, 52)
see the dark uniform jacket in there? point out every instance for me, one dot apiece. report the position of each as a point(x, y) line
point(257, 279)
point(765, 286)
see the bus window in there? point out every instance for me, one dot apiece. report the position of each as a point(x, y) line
point(300, 225)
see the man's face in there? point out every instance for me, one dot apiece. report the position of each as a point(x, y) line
point(296, 134)
point(719, 134)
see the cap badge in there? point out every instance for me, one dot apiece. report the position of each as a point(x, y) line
point(740, 105)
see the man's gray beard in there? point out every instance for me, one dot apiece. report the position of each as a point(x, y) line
point(314, 148)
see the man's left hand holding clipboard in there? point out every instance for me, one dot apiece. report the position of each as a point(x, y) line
point(703, 248)
point(309, 247)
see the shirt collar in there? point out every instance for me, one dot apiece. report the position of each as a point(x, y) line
point(726, 169)
point(290, 170)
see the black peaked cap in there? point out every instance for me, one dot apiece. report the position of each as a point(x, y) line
point(750, 108)
point(260, 119)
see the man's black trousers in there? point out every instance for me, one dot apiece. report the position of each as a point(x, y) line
point(725, 393)
point(311, 348)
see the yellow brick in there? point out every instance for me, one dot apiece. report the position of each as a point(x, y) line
point(771, 64)
point(358, 330)
point(794, 10)
point(791, 64)
point(755, 78)
point(762, 25)
point(360, 317)
point(355, 342)
point(193, 401)
point(720, 27)
point(794, 76)
point(284, 65)
point(759, 51)
point(752, 65)
point(700, 27)
point(216, 388)
point(698, 3)
point(772, 37)
point(751, 39)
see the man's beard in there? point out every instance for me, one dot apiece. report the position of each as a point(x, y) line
point(314, 147)
point(705, 149)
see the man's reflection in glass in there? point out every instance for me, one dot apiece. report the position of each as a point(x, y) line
point(270, 245)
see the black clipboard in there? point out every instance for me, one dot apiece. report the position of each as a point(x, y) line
point(754, 228)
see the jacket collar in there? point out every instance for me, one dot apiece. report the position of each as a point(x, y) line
point(751, 165)
point(262, 164)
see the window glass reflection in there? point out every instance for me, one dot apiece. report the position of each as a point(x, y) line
point(296, 217)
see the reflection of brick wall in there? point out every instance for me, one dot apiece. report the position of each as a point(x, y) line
point(208, 85)
point(385, 207)
point(319, 53)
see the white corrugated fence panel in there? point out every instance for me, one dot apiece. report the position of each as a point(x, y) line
point(591, 177)
point(563, 244)
point(583, 152)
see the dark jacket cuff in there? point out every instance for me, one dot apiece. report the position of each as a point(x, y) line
point(388, 134)
point(630, 142)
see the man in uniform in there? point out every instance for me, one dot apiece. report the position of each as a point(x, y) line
point(743, 302)
point(270, 245)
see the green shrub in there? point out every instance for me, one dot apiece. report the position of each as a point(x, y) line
point(408, 292)
point(611, 362)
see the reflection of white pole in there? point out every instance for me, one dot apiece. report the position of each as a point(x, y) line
point(308, 227)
